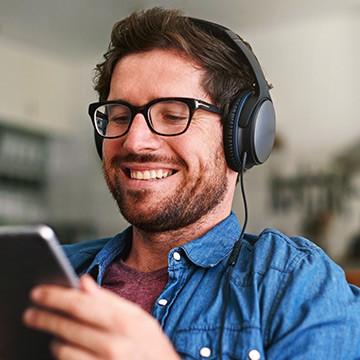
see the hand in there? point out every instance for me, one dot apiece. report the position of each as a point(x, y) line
point(93, 323)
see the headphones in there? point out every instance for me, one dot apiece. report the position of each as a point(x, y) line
point(250, 127)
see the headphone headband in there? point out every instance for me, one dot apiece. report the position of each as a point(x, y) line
point(235, 42)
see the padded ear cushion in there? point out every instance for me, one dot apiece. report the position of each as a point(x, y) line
point(232, 146)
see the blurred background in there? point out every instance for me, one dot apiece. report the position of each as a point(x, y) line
point(310, 52)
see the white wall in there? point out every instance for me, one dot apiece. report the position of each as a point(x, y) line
point(36, 90)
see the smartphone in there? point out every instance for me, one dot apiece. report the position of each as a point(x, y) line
point(29, 256)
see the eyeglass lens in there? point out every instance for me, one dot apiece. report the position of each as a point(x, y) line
point(168, 117)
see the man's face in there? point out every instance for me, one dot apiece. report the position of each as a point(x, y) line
point(165, 183)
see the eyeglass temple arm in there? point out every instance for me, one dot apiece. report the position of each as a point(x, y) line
point(208, 107)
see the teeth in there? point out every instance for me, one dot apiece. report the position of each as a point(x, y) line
point(149, 174)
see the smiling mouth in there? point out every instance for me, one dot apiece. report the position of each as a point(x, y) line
point(150, 174)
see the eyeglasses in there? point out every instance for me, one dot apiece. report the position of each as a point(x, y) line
point(165, 116)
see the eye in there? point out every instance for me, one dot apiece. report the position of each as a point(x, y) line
point(170, 112)
point(124, 119)
point(174, 117)
point(118, 114)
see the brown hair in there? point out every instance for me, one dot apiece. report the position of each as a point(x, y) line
point(225, 74)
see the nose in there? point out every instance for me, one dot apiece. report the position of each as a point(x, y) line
point(140, 138)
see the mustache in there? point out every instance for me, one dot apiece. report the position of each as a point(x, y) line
point(145, 158)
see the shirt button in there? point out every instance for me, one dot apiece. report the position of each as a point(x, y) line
point(254, 355)
point(176, 256)
point(162, 302)
point(205, 352)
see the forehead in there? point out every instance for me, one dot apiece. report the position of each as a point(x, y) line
point(157, 73)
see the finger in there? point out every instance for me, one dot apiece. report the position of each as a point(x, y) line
point(99, 308)
point(116, 350)
point(77, 304)
point(66, 351)
point(70, 331)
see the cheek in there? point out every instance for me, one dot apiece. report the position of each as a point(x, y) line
point(211, 144)
point(203, 153)
point(111, 147)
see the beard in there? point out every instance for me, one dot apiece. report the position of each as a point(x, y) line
point(194, 198)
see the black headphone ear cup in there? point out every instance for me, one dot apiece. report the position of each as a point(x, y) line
point(232, 146)
point(250, 128)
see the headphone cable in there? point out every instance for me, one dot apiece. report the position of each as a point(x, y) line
point(234, 254)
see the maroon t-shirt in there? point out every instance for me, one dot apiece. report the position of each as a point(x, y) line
point(142, 288)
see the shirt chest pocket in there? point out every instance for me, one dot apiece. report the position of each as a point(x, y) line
point(243, 343)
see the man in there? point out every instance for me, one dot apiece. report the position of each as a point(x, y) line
point(167, 90)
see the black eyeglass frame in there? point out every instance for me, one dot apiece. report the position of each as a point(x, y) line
point(193, 105)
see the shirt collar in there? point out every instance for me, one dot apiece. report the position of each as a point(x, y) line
point(209, 249)
point(109, 252)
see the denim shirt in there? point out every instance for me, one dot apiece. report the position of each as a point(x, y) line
point(286, 299)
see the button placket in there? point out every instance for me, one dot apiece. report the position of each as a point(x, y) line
point(163, 303)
